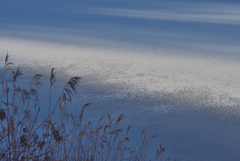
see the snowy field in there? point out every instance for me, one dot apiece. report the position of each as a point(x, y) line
point(173, 66)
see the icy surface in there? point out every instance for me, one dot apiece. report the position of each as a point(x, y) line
point(173, 66)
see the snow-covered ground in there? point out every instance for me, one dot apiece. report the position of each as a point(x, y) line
point(173, 66)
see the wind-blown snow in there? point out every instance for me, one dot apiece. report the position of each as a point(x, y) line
point(183, 54)
point(212, 14)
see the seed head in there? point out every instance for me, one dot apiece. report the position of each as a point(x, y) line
point(23, 140)
point(2, 114)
